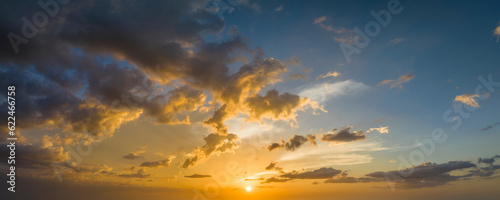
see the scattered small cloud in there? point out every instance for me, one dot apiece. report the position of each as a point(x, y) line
point(293, 143)
point(198, 176)
point(321, 173)
point(343, 135)
point(302, 77)
point(134, 155)
point(159, 163)
point(328, 74)
point(319, 20)
point(490, 126)
point(396, 41)
point(279, 8)
point(382, 129)
point(468, 99)
point(497, 32)
point(398, 82)
point(342, 34)
point(272, 166)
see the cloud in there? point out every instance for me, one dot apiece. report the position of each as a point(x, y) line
point(294, 61)
point(276, 180)
point(274, 105)
point(468, 99)
point(279, 8)
point(214, 144)
point(157, 164)
point(344, 178)
point(39, 155)
point(398, 82)
point(325, 91)
point(198, 176)
point(302, 77)
point(320, 20)
point(141, 173)
point(321, 173)
point(134, 155)
point(488, 161)
point(497, 32)
point(329, 74)
point(343, 135)
point(425, 175)
point(342, 34)
point(396, 41)
point(100, 74)
point(485, 171)
point(293, 143)
point(382, 129)
point(490, 126)
point(271, 166)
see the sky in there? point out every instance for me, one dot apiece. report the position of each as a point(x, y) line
point(246, 99)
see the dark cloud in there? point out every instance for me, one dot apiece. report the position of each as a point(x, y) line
point(40, 155)
point(133, 155)
point(99, 64)
point(276, 180)
point(490, 126)
point(344, 178)
point(157, 164)
point(488, 170)
point(214, 144)
point(198, 176)
point(489, 161)
point(293, 143)
point(425, 175)
point(271, 166)
point(273, 146)
point(321, 173)
point(343, 135)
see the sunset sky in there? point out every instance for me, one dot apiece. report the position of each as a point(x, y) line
point(246, 99)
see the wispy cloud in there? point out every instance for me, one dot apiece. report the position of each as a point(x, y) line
point(490, 126)
point(328, 74)
point(319, 20)
point(322, 92)
point(398, 82)
point(396, 41)
point(279, 8)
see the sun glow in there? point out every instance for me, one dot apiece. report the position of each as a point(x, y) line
point(248, 189)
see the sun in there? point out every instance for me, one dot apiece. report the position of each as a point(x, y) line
point(248, 189)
